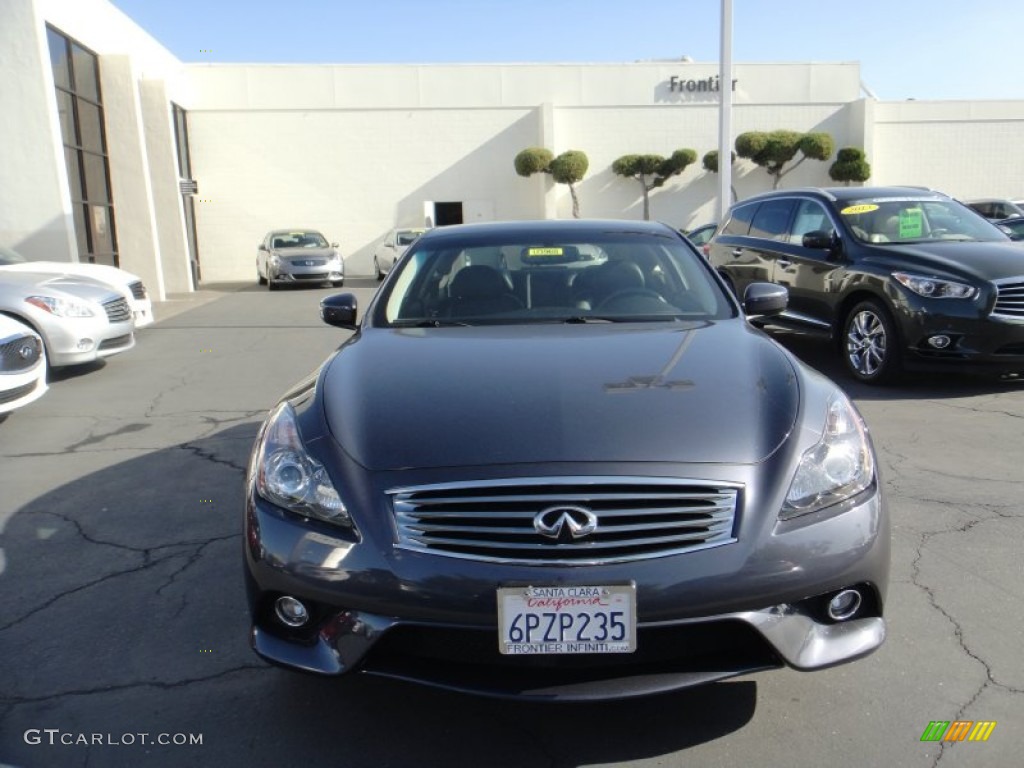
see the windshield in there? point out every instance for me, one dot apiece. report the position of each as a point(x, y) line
point(299, 240)
point(609, 277)
point(905, 219)
point(408, 236)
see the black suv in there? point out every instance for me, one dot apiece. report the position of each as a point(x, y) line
point(899, 277)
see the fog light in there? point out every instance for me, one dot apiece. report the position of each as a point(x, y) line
point(85, 344)
point(291, 611)
point(844, 605)
point(939, 341)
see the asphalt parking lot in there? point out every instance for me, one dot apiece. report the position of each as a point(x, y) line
point(123, 619)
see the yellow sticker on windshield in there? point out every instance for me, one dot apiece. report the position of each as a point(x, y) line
point(544, 251)
point(862, 208)
point(911, 223)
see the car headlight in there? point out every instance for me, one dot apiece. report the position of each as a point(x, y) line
point(838, 467)
point(61, 307)
point(935, 288)
point(286, 475)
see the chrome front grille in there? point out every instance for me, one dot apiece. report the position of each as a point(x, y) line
point(19, 353)
point(138, 290)
point(637, 518)
point(117, 310)
point(1010, 298)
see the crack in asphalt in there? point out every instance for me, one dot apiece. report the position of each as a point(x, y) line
point(193, 558)
point(208, 455)
point(990, 680)
point(149, 557)
point(10, 703)
point(211, 423)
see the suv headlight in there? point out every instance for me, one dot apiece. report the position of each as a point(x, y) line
point(935, 288)
point(61, 307)
point(286, 475)
point(838, 467)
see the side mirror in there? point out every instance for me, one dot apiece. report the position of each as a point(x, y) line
point(335, 245)
point(339, 310)
point(765, 299)
point(819, 239)
point(261, 247)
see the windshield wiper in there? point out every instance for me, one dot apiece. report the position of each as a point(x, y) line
point(431, 322)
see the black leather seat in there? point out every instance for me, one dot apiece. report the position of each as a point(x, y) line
point(480, 290)
point(596, 284)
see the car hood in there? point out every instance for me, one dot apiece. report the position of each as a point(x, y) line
point(102, 272)
point(17, 285)
point(981, 260)
point(436, 397)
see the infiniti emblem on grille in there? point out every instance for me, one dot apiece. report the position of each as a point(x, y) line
point(577, 521)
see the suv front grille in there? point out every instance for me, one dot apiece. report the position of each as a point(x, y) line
point(117, 310)
point(20, 353)
point(637, 518)
point(1010, 298)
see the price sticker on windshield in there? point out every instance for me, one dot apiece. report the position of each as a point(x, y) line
point(544, 252)
point(567, 620)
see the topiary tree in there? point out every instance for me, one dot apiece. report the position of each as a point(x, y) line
point(773, 149)
point(568, 168)
point(533, 160)
point(710, 162)
point(850, 165)
point(652, 171)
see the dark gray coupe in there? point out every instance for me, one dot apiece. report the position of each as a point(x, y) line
point(556, 461)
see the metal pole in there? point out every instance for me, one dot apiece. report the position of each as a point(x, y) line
point(725, 113)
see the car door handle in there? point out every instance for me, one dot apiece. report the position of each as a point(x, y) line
point(784, 264)
point(737, 253)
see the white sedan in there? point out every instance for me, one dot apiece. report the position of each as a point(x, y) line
point(128, 285)
point(22, 365)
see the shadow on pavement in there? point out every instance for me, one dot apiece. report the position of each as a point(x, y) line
point(124, 612)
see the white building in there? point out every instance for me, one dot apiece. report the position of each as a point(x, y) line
point(103, 127)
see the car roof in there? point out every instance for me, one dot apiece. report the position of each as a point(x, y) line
point(548, 228)
point(849, 193)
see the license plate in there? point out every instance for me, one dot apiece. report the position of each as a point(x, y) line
point(565, 620)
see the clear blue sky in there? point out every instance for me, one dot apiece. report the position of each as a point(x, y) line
point(924, 49)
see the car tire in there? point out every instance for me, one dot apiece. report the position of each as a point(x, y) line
point(870, 344)
point(260, 279)
point(271, 285)
point(338, 283)
point(376, 270)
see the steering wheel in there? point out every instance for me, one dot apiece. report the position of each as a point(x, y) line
point(631, 293)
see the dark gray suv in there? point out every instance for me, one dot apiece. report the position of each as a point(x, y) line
point(899, 277)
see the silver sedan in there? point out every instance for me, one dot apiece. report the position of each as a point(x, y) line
point(391, 248)
point(80, 320)
point(298, 256)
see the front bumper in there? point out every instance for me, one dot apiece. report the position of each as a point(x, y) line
point(20, 389)
point(84, 340)
point(324, 272)
point(701, 616)
point(978, 340)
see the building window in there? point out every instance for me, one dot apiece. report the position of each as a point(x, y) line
point(80, 108)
